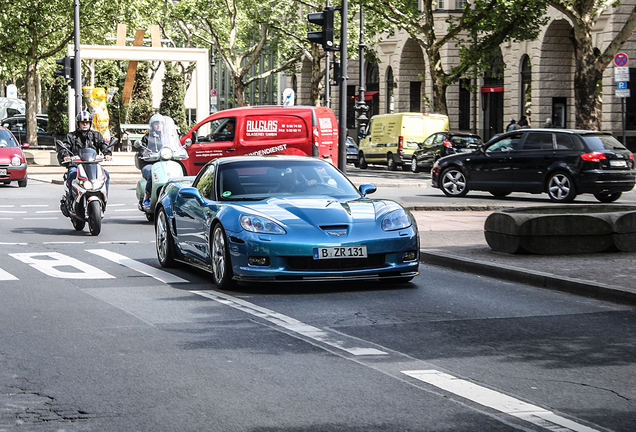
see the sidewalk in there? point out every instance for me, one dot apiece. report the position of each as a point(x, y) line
point(453, 236)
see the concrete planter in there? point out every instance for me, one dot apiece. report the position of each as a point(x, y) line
point(557, 230)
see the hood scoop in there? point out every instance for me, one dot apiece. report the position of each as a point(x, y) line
point(336, 230)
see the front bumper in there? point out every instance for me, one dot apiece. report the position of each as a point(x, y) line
point(18, 172)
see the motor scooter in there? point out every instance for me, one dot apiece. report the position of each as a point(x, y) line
point(163, 150)
point(90, 192)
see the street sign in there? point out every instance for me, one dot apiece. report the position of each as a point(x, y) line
point(621, 73)
point(622, 85)
point(623, 93)
point(621, 59)
point(213, 92)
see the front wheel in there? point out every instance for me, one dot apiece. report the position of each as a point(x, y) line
point(165, 242)
point(362, 162)
point(221, 265)
point(453, 182)
point(561, 187)
point(607, 197)
point(22, 183)
point(414, 167)
point(94, 217)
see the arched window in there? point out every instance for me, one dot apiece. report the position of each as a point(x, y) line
point(389, 89)
point(525, 88)
point(372, 88)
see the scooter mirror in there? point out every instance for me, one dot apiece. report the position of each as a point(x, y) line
point(137, 145)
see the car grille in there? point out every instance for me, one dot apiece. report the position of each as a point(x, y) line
point(311, 264)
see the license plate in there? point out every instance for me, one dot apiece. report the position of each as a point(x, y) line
point(618, 163)
point(3, 171)
point(340, 252)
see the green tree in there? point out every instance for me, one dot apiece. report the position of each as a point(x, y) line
point(173, 97)
point(34, 31)
point(590, 62)
point(240, 31)
point(479, 30)
point(140, 109)
point(58, 108)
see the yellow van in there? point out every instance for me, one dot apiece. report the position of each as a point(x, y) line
point(391, 139)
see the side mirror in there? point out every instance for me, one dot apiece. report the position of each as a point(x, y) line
point(367, 189)
point(25, 145)
point(191, 193)
point(137, 145)
point(188, 142)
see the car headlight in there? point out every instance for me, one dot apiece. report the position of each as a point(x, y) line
point(257, 224)
point(15, 161)
point(395, 220)
point(166, 153)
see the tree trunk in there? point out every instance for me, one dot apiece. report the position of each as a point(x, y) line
point(239, 90)
point(586, 76)
point(439, 84)
point(31, 106)
point(317, 75)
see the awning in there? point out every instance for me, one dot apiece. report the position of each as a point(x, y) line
point(492, 89)
point(368, 95)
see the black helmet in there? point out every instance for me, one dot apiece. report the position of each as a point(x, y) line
point(84, 116)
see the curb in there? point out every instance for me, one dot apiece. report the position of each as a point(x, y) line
point(529, 277)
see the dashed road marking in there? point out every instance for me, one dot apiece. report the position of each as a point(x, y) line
point(153, 272)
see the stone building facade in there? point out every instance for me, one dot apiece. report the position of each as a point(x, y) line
point(538, 80)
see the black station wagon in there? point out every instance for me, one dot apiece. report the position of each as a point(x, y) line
point(562, 163)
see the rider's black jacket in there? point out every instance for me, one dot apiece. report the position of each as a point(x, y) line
point(78, 140)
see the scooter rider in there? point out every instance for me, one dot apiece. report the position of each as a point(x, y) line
point(152, 142)
point(83, 137)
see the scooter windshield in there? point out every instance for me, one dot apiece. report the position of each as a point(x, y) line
point(163, 134)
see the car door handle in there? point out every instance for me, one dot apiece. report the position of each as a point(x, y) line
point(230, 149)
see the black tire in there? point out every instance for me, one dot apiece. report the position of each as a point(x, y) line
point(220, 258)
point(78, 224)
point(362, 162)
point(453, 182)
point(165, 243)
point(499, 194)
point(390, 163)
point(608, 197)
point(414, 167)
point(23, 183)
point(94, 217)
point(560, 187)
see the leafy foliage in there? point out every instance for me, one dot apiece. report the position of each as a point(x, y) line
point(173, 97)
point(140, 109)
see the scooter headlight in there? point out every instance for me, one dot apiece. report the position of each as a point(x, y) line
point(87, 185)
point(166, 153)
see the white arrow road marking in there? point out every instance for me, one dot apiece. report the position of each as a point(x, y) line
point(5, 276)
point(286, 322)
point(498, 401)
point(49, 263)
point(153, 272)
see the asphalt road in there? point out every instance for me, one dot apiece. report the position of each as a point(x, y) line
point(94, 335)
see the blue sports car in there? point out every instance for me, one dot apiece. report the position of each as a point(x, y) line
point(283, 219)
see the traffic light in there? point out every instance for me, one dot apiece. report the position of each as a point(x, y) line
point(66, 69)
point(325, 36)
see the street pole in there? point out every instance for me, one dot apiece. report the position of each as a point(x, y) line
point(342, 111)
point(78, 60)
point(362, 107)
point(327, 81)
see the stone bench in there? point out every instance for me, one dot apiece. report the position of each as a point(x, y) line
point(557, 230)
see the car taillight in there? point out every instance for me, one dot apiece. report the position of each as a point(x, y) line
point(447, 143)
point(631, 156)
point(593, 157)
point(401, 143)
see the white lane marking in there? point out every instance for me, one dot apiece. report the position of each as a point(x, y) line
point(286, 322)
point(62, 242)
point(34, 205)
point(6, 218)
point(116, 205)
point(41, 218)
point(118, 242)
point(50, 263)
point(6, 276)
point(153, 272)
point(127, 210)
point(13, 211)
point(498, 401)
point(7, 206)
point(46, 211)
point(12, 244)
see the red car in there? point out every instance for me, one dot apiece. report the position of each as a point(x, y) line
point(13, 164)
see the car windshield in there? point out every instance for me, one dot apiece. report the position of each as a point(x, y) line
point(257, 180)
point(6, 139)
point(602, 142)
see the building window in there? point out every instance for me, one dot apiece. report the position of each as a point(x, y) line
point(351, 107)
point(525, 96)
point(389, 90)
point(373, 84)
point(464, 104)
point(440, 4)
point(416, 96)
point(459, 4)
